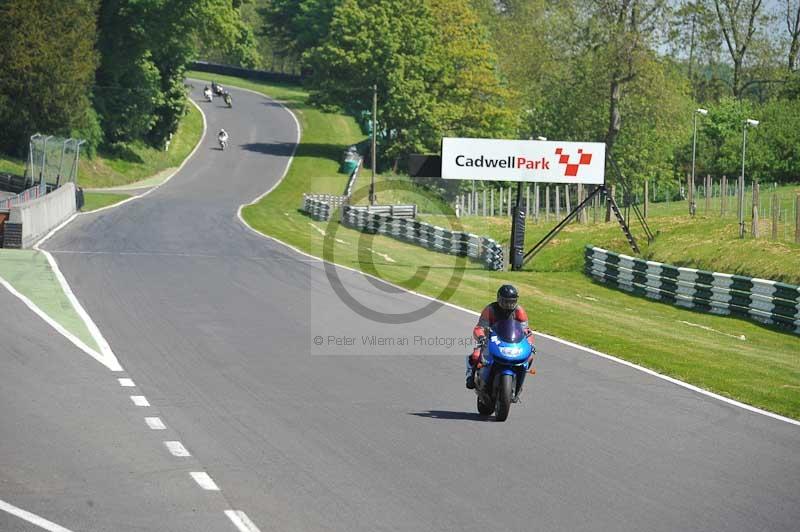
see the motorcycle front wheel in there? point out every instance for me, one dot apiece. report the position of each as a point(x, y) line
point(484, 409)
point(505, 392)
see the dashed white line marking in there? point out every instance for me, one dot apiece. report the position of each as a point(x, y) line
point(126, 383)
point(140, 400)
point(176, 448)
point(41, 522)
point(155, 423)
point(242, 522)
point(204, 481)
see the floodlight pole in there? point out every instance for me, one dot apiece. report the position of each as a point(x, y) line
point(374, 142)
point(694, 150)
point(41, 170)
point(754, 123)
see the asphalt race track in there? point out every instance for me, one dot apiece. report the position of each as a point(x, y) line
point(216, 326)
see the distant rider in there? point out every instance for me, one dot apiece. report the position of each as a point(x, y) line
point(207, 93)
point(506, 307)
point(222, 136)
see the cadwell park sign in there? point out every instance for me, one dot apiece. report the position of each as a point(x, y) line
point(524, 160)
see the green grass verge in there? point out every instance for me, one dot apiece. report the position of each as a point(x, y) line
point(733, 357)
point(29, 273)
point(132, 162)
point(97, 200)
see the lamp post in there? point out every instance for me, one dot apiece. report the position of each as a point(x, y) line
point(703, 112)
point(753, 123)
point(374, 154)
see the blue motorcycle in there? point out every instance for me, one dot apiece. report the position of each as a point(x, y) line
point(503, 366)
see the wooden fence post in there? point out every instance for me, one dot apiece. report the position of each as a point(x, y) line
point(547, 202)
point(527, 201)
point(754, 224)
point(723, 195)
point(775, 212)
point(646, 198)
point(558, 202)
point(797, 219)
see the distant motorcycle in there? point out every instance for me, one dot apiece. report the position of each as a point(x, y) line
point(228, 99)
point(502, 369)
point(223, 143)
point(209, 95)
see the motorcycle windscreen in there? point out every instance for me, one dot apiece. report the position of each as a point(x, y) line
point(509, 331)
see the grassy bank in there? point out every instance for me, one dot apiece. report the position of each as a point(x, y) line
point(132, 162)
point(732, 357)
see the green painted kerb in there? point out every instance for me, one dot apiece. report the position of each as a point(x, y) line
point(30, 274)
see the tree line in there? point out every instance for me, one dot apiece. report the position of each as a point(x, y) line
point(108, 71)
point(630, 73)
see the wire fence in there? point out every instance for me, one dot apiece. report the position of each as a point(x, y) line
point(52, 161)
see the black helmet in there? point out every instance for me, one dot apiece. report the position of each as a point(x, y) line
point(507, 297)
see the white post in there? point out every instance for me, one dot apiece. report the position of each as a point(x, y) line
point(547, 202)
point(558, 202)
point(528, 200)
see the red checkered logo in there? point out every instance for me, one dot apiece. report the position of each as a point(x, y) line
point(572, 168)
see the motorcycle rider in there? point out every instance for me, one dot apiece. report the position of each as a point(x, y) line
point(207, 93)
point(222, 136)
point(506, 307)
point(228, 99)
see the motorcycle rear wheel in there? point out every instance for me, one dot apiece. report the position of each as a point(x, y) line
point(505, 393)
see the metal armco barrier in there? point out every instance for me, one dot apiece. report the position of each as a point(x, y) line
point(321, 206)
point(247, 73)
point(761, 300)
point(429, 236)
point(27, 195)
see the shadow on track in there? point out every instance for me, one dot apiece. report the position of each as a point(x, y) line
point(449, 414)
point(284, 149)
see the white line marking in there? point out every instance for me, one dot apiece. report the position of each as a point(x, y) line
point(242, 522)
point(155, 423)
point(176, 448)
point(140, 400)
point(58, 327)
point(385, 257)
point(41, 522)
point(705, 328)
point(204, 481)
point(320, 231)
point(473, 313)
point(106, 355)
point(126, 383)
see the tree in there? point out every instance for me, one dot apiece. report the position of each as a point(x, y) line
point(47, 66)
point(470, 100)
point(793, 26)
point(738, 22)
point(622, 33)
point(298, 25)
point(145, 46)
point(695, 41)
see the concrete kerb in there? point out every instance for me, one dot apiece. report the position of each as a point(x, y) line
point(588, 350)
